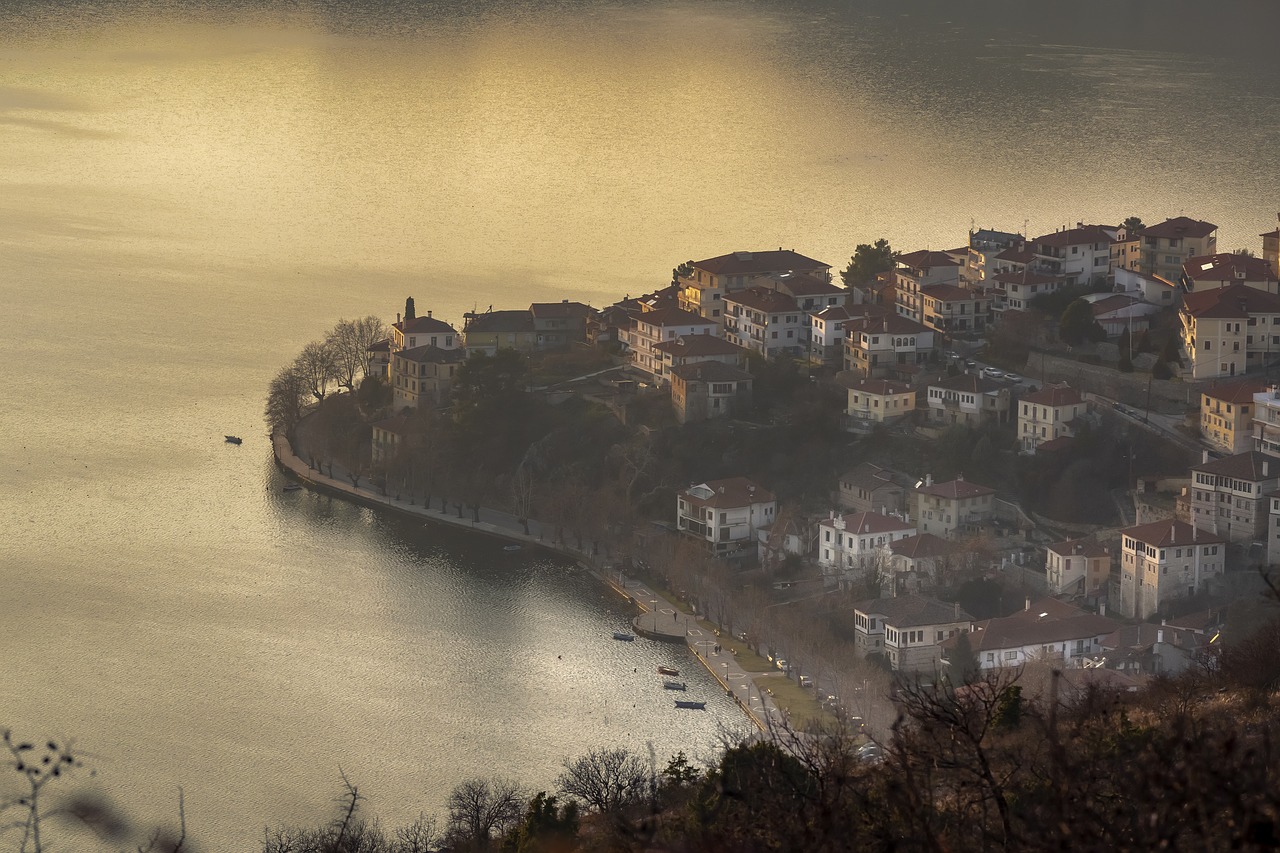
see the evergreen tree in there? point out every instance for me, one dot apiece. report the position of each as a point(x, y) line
point(408, 310)
point(1144, 342)
point(867, 261)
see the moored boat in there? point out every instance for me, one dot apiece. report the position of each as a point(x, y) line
point(622, 635)
point(668, 670)
point(685, 703)
point(292, 487)
point(674, 685)
point(233, 439)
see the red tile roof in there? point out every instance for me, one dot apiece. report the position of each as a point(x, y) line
point(890, 324)
point(1076, 236)
point(872, 522)
point(1230, 302)
point(423, 324)
point(881, 387)
point(909, 611)
point(1250, 465)
point(732, 492)
point(799, 284)
point(1084, 547)
point(1054, 395)
point(950, 293)
point(760, 263)
point(956, 490)
point(1226, 266)
point(1170, 532)
point(1118, 302)
point(1240, 391)
point(763, 299)
point(1026, 276)
point(925, 259)
point(968, 382)
point(1180, 226)
point(664, 317)
point(564, 309)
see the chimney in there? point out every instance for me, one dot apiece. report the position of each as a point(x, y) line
point(1028, 605)
point(1204, 456)
point(397, 317)
point(1159, 635)
point(1266, 468)
point(428, 313)
point(1102, 607)
point(1173, 533)
point(957, 613)
point(928, 480)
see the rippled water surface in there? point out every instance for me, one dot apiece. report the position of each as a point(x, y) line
point(191, 191)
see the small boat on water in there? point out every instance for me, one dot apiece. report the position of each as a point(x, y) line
point(622, 635)
point(233, 439)
point(685, 703)
point(668, 670)
point(292, 487)
point(668, 684)
point(511, 548)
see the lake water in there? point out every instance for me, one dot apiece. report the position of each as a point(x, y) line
point(189, 192)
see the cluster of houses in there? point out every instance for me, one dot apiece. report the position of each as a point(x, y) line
point(909, 538)
point(693, 338)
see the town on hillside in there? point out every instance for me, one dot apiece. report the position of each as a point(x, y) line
point(1060, 448)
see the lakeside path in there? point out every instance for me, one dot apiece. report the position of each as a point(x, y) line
point(655, 608)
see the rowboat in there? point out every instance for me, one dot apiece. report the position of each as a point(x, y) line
point(685, 703)
point(674, 685)
point(668, 670)
point(233, 439)
point(622, 635)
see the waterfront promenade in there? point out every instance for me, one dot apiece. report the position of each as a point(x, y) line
point(655, 608)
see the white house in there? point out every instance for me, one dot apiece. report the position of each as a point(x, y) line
point(664, 324)
point(907, 629)
point(1046, 630)
point(851, 545)
point(726, 514)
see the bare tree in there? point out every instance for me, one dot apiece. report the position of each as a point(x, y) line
point(318, 368)
point(605, 779)
point(286, 397)
point(482, 808)
point(349, 342)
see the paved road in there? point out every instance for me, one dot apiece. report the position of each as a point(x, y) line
point(663, 619)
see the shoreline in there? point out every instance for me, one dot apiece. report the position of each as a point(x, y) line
point(737, 684)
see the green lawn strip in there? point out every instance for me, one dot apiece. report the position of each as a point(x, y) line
point(747, 659)
point(799, 704)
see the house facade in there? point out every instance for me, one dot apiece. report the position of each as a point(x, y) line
point(766, 321)
point(559, 324)
point(1077, 567)
point(954, 310)
point(725, 514)
point(1226, 415)
point(917, 270)
point(907, 630)
point(887, 346)
point(664, 324)
point(491, 331)
point(1052, 412)
point(423, 375)
point(944, 509)
point(706, 390)
point(1151, 289)
point(702, 291)
point(1213, 272)
point(917, 564)
point(1080, 255)
point(968, 400)
point(1164, 247)
point(695, 349)
point(1228, 495)
point(1266, 420)
point(871, 488)
point(872, 402)
point(850, 546)
point(1227, 331)
point(423, 332)
point(1165, 560)
point(389, 435)
point(1046, 630)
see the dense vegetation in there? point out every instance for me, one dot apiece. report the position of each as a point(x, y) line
point(1016, 760)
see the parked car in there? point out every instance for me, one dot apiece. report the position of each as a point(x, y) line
point(1013, 377)
point(970, 363)
point(992, 373)
point(781, 664)
point(806, 681)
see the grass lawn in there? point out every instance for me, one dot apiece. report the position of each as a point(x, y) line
point(800, 704)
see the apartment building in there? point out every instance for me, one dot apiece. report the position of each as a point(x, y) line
point(702, 291)
point(1228, 495)
point(1230, 330)
point(1226, 415)
point(1054, 411)
point(1165, 560)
